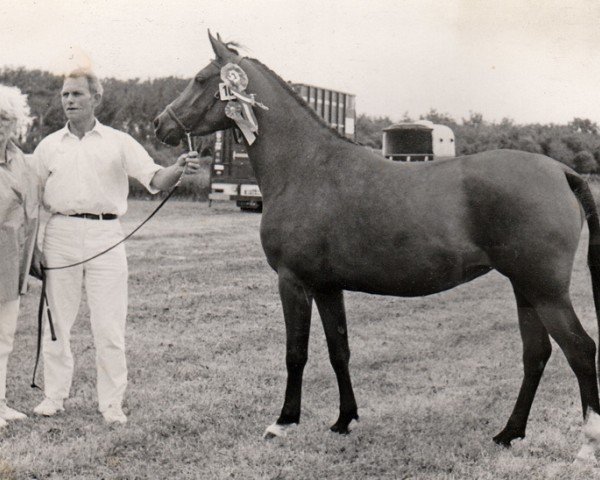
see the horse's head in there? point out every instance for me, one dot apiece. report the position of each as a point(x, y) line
point(198, 108)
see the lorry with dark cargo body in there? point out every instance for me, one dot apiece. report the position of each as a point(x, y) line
point(231, 175)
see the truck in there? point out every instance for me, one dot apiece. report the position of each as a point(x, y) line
point(419, 141)
point(231, 174)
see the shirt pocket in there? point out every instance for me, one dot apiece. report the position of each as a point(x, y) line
point(60, 157)
point(107, 162)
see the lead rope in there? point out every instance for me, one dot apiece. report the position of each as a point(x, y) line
point(44, 304)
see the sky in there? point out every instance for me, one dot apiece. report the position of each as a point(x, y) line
point(527, 60)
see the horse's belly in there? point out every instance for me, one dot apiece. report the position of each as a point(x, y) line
point(411, 282)
point(413, 275)
point(414, 284)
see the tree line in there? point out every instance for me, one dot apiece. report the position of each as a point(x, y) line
point(131, 105)
point(576, 144)
point(128, 105)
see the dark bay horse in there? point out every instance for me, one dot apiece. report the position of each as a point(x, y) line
point(337, 217)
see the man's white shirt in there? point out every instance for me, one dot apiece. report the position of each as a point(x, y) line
point(89, 175)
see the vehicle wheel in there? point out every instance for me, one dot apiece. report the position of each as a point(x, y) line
point(253, 208)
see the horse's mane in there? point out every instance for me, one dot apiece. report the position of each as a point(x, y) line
point(301, 101)
point(235, 48)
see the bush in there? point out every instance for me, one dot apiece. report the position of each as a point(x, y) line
point(585, 162)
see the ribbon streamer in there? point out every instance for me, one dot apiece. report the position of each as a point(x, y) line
point(239, 104)
point(234, 111)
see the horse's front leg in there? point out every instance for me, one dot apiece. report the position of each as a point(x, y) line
point(333, 315)
point(297, 305)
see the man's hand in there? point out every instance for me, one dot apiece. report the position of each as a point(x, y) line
point(190, 162)
point(166, 177)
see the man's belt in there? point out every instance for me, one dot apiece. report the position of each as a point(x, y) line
point(93, 216)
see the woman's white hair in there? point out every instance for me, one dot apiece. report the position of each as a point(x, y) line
point(14, 104)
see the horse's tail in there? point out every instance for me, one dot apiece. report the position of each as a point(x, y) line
point(583, 193)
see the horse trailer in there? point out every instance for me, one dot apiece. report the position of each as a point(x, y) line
point(419, 141)
point(231, 174)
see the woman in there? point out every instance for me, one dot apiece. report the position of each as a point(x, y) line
point(19, 200)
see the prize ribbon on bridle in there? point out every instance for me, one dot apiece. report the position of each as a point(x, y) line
point(239, 105)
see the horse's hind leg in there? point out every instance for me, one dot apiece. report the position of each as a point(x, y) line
point(562, 324)
point(580, 351)
point(333, 315)
point(536, 352)
point(558, 317)
point(297, 305)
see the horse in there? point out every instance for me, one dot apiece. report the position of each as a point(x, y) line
point(338, 217)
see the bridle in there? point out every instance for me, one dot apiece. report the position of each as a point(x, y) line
point(173, 116)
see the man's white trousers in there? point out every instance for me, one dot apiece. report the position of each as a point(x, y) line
point(9, 311)
point(69, 240)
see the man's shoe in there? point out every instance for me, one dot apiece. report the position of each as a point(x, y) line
point(114, 414)
point(49, 407)
point(7, 413)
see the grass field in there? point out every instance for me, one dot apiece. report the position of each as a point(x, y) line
point(435, 377)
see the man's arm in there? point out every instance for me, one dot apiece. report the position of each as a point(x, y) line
point(166, 177)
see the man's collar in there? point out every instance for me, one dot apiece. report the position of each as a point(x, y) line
point(97, 128)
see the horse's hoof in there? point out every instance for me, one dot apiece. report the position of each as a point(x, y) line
point(343, 427)
point(276, 430)
point(586, 456)
point(591, 434)
point(591, 428)
point(340, 430)
point(502, 441)
point(505, 437)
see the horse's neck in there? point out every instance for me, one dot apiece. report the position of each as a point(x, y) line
point(289, 138)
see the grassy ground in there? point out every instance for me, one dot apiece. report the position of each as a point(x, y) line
point(435, 378)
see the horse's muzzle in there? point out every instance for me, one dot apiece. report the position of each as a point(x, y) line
point(166, 130)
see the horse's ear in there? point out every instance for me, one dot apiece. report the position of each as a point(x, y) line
point(220, 49)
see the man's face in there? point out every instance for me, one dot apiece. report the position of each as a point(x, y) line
point(77, 100)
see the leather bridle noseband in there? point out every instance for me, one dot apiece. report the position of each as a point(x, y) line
point(173, 116)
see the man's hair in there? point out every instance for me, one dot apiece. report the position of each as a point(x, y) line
point(14, 104)
point(93, 81)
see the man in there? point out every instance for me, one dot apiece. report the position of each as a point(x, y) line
point(84, 168)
